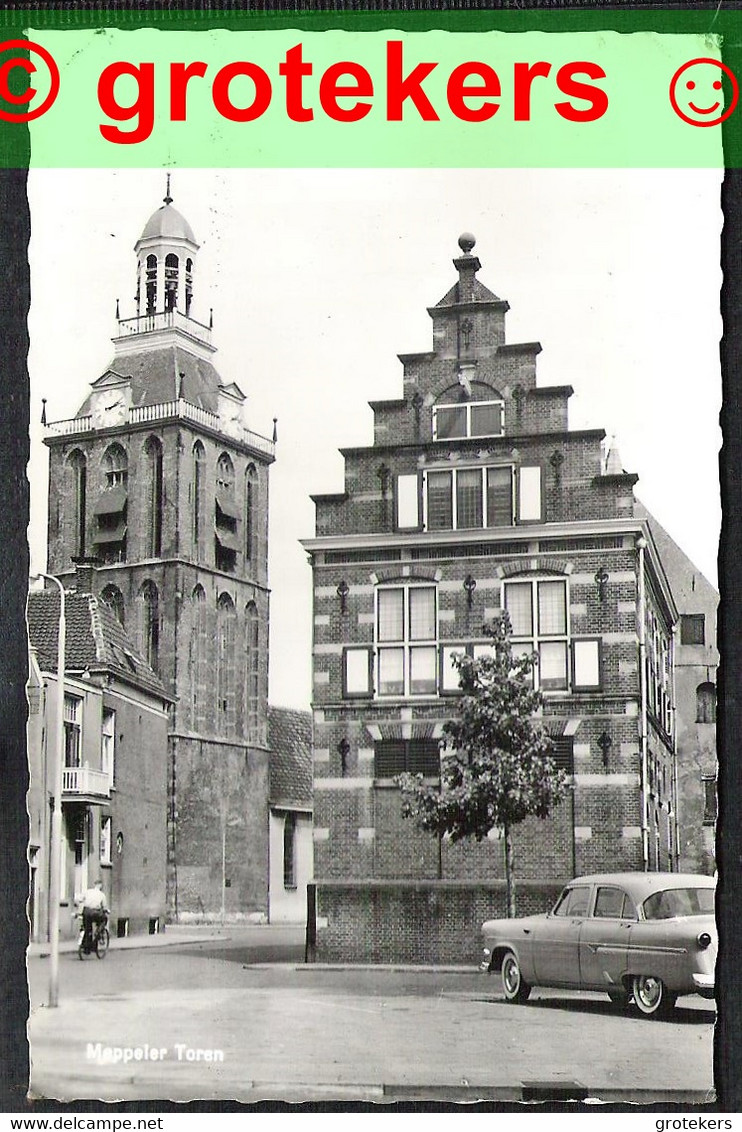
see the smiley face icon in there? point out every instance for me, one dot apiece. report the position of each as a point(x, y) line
point(696, 92)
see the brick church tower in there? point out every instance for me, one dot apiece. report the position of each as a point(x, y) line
point(159, 480)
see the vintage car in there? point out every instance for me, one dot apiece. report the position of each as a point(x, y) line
point(646, 937)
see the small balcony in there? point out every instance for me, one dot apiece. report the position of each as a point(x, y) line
point(164, 320)
point(82, 783)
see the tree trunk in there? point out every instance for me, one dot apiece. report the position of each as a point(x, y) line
point(509, 880)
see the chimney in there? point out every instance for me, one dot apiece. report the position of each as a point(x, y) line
point(85, 571)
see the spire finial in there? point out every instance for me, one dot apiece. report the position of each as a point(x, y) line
point(43, 411)
point(167, 198)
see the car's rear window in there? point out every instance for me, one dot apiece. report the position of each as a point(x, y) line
point(673, 902)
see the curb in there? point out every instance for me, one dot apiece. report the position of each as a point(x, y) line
point(128, 943)
point(387, 968)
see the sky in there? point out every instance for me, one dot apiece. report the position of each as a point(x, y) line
point(318, 279)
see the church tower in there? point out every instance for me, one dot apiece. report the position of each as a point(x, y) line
point(159, 481)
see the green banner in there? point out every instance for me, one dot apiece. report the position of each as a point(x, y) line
point(472, 92)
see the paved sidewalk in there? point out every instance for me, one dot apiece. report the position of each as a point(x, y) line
point(173, 936)
point(242, 934)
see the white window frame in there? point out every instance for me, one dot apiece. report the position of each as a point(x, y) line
point(406, 644)
point(482, 469)
point(73, 723)
point(467, 406)
point(108, 745)
point(537, 638)
point(105, 839)
point(357, 662)
point(407, 502)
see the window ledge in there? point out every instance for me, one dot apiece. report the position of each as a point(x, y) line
point(391, 784)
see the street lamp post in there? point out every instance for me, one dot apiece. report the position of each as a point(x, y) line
point(55, 852)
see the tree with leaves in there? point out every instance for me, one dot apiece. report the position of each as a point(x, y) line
point(496, 768)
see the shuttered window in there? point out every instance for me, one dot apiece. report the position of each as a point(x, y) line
point(395, 756)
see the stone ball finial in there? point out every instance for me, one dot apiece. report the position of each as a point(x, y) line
point(466, 242)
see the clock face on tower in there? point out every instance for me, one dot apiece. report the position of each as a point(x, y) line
point(109, 408)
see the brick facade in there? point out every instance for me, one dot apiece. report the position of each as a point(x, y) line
point(474, 489)
point(160, 479)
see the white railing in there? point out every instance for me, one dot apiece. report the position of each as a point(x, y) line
point(69, 427)
point(169, 410)
point(84, 780)
point(164, 320)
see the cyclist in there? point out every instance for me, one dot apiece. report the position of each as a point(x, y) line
point(94, 911)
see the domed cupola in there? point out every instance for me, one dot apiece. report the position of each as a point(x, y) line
point(166, 252)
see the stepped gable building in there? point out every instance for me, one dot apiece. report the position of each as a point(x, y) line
point(160, 479)
point(114, 777)
point(475, 496)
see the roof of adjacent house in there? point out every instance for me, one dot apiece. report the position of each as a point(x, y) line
point(290, 741)
point(691, 589)
point(94, 641)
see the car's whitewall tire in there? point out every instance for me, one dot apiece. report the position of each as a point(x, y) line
point(514, 986)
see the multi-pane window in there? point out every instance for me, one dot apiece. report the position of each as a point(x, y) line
point(538, 616)
point(472, 418)
point(469, 498)
point(406, 631)
point(115, 466)
point(108, 737)
point(395, 756)
point(72, 724)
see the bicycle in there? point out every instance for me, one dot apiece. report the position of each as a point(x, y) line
point(99, 938)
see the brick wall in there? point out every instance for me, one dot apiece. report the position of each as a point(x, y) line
point(416, 921)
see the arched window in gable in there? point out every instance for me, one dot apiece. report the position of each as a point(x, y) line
point(251, 526)
point(112, 597)
point(77, 471)
point(706, 703)
point(150, 623)
point(252, 671)
point(153, 456)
